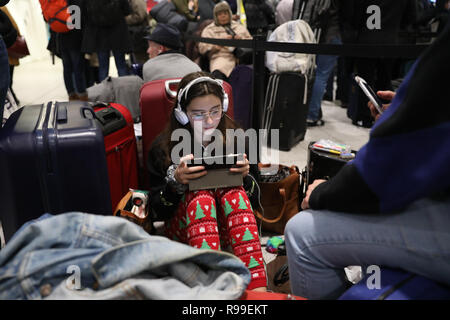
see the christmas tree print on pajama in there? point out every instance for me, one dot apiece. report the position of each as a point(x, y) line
point(199, 212)
point(213, 211)
point(247, 236)
point(227, 208)
point(242, 204)
point(237, 227)
point(253, 263)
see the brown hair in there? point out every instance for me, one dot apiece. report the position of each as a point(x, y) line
point(197, 90)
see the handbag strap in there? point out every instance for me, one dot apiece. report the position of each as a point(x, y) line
point(283, 196)
point(123, 202)
point(229, 31)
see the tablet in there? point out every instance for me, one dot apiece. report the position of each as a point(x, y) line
point(216, 162)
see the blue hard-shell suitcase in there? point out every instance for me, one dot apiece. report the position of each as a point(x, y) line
point(52, 160)
point(398, 285)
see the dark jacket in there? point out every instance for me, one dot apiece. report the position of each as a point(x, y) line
point(164, 201)
point(408, 152)
point(394, 16)
point(73, 39)
point(96, 38)
point(205, 9)
point(7, 31)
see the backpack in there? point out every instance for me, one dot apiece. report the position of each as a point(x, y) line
point(297, 31)
point(104, 13)
point(56, 14)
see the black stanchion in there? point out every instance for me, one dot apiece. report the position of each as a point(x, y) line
point(258, 94)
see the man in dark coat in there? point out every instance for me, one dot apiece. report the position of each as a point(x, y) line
point(107, 31)
point(260, 15)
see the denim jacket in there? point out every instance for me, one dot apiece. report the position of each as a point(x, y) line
point(84, 256)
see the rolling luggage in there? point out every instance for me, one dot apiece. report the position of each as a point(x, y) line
point(286, 107)
point(156, 103)
point(121, 148)
point(241, 80)
point(52, 160)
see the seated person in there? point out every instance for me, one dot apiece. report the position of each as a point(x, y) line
point(166, 61)
point(187, 8)
point(389, 206)
point(221, 59)
point(212, 219)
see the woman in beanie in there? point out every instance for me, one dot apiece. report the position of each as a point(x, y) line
point(221, 59)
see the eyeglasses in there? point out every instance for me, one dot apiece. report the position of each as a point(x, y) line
point(214, 114)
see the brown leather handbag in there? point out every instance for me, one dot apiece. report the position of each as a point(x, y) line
point(280, 199)
point(123, 210)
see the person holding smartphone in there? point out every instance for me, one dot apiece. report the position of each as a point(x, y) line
point(389, 207)
point(212, 219)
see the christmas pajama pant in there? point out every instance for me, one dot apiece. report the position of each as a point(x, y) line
point(210, 219)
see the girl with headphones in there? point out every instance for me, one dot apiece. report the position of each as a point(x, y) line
point(213, 219)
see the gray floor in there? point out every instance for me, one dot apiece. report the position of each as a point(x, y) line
point(40, 81)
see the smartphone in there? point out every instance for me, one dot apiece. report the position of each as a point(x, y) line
point(370, 93)
point(217, 162)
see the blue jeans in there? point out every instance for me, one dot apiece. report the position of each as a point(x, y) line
point(325, 65)
point(320, 244)
point(103, 61)
point(73, 63)
point(4, 75)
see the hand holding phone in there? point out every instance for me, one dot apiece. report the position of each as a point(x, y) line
point(386, 97)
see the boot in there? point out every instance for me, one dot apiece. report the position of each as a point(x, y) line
point(73, 97)
point(83, 97)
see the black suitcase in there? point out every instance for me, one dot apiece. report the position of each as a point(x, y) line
point(286, 107)
point(52, 160)
point(322, 165)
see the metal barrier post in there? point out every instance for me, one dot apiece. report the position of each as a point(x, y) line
point(258, 94)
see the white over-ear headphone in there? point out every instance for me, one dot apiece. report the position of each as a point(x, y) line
point(180, 115)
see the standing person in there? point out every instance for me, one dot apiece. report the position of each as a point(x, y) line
point(166, 60)
point(138, 25)
point(106, 31)
point(211, 219)
point(69, 44)
point(260, 16)
point(330, 24)
point(221, 59)
point(283, 12)
point(8, 36)
point(13, 62)
point(378, 71)
point(205, 9)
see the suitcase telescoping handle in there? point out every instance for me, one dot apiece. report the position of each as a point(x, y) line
point(110, 119)
point(61, 116)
